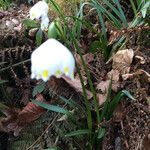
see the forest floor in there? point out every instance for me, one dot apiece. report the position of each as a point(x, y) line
point(129, 127)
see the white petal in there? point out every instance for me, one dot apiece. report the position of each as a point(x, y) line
point(55, 58)
point(33, 76)
point(38, 10)
point(44, 23)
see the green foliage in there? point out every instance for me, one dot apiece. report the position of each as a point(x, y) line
point(4, 4)
point(39, 37)
point(116, 16)
point(93, 135)
point(30, 24)
point(55, 109)
point(92, 131)
point(55, 30)
point(78, 133)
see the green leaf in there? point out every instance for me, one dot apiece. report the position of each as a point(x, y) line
point(145, 8)
point(78, 132)
point(101, 133)
point(116, 100)
point(52, 31)
point(126, 93)
point(113, 105)
point(38, 89)
point(55, 30)
point(30, 23)
point(54, 108)
point(39, 37)
point(121, 13)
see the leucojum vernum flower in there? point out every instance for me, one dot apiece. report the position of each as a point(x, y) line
point(52, 59)
point(40, 11)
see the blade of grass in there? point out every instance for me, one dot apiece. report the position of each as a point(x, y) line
point(115, 10)
point(133, 7)
point(78, 133)
point(110, 17)
point(121, 12)
point(54, 108)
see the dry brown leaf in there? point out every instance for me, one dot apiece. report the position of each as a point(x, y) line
point(77, 86)
point(17, 119)
point(146, 75)
point(113, 36)
point(127, 76)
point(104, 85)
point(101, 98)
point(89, 57)
point(122, 61)
point(31, 112)
point(114, 75)
point(141, 59)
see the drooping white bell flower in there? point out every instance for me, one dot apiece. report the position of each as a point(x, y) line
point(52, 59)
point(44, 23)
point(39, 10)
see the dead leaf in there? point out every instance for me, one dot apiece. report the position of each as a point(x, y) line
point(141, 59)
point(104, 85)
point(118, 113)
point(127, 76)
point(89, 57)
point(114, 75)
point(122, 61)
point(31, 112)
point(101, 98)
point(77, 86)
point(113, 36)
point(17, 119)
point(145, 75)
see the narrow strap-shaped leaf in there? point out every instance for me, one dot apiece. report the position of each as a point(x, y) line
point(53, 108)
point(114, 9)
point(78, 132)
point(122, 13)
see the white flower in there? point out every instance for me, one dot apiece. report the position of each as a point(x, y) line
point(39, 10)
point(44, 23)
point(52, 58)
